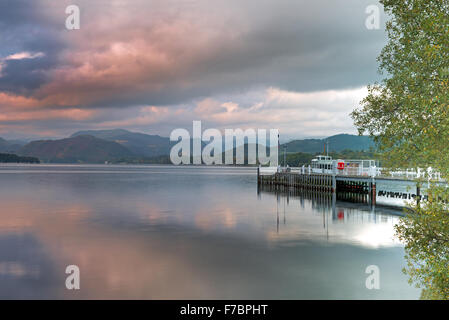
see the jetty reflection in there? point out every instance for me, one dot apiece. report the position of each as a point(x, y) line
point(344, 217)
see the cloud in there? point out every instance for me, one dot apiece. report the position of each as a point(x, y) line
point(36, 115)
point(318, 113)
point(30, 46)
point(181, 57)
point(20, 56)
point(295, 114)
point(24, 55)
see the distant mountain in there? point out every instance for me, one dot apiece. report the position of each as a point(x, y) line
point(10, 146)
point(98, 146)
point(139, 143)
point(337, 143)
point(79, 149)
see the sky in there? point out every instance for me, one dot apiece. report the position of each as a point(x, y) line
point(156, 65)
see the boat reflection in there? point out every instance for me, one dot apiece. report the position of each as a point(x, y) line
point(340, 221)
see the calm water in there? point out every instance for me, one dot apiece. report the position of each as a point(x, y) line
point(158, 232)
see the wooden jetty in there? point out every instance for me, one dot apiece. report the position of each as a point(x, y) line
point(352, 188)
point(349, 179)
point(325, 183)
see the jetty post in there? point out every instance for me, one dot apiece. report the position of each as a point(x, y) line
point(334, 178)
point(418, 193)
point(372, 191)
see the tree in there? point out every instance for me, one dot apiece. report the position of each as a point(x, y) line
point(425, 232)
point(408, 114)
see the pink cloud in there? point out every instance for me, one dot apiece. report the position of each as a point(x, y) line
point(9, 101)
point(34, 115)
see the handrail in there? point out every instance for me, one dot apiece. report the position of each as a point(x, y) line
point(372, 171)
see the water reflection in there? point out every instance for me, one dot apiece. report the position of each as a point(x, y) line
point(185, 233)
point(323, 217)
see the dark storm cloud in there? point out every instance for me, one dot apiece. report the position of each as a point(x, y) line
point(25, 27)
point(299, 45)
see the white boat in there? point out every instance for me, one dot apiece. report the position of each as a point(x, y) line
point(325, 164)
point(322, 164)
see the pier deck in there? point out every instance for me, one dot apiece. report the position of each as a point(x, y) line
point(346, 186)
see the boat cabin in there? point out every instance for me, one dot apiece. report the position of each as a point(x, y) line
point(322, 164)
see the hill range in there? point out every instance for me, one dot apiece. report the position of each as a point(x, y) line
point(100, 146)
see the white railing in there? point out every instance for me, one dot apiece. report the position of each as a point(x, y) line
point(360, 171)
point(371, 171)
point(411, 174)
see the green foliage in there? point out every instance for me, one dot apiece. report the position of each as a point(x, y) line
point(355, 155)
point(408, 113)
point(12, 158)
point(296, 159)
point(425, 232)
point(144, 160)
point(444, 73)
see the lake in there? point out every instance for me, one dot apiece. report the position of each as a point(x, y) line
point(166, 232)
